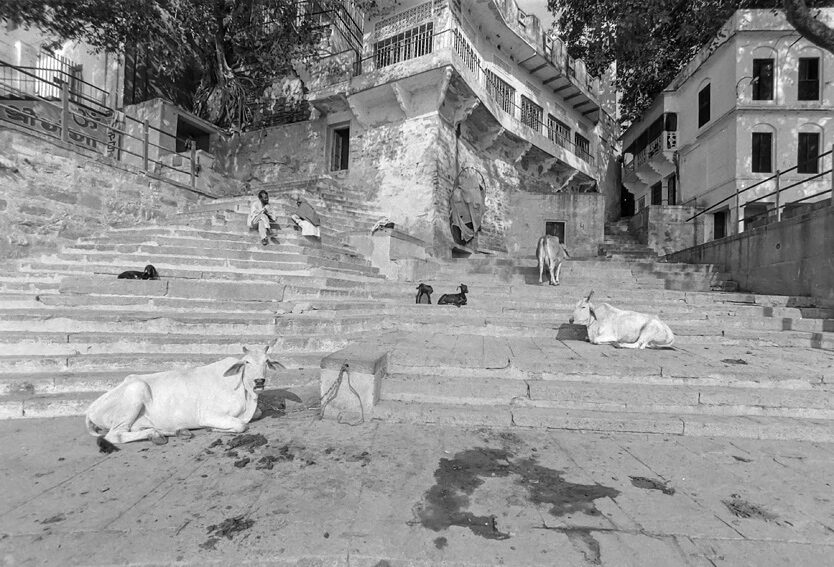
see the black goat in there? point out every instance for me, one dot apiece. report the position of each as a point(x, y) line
point(150, 273)
point(456, 299)
point(424, 291)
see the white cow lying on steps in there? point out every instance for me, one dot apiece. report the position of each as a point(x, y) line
point(222, 395)
point(626, 329)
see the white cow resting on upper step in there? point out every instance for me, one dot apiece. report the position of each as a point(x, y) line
point(626, 329)
point(222, 395)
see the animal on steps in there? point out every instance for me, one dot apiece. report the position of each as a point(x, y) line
point(149, 273)
point(424, 292)
point(456, 299)
point(621, 328)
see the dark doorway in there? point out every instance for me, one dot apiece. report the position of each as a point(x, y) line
point(626, 203)
point(555, 228)
point(657, 193)
point(719, 229)
point(186, 131)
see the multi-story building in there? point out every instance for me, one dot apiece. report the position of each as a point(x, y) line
point(436, 88)
point(755, 101)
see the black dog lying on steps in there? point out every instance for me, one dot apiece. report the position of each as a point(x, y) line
point(456, 299)
point(424, 291)
point(150, 273)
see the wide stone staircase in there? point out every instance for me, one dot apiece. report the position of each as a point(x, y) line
point(70, 330)
point(743, 365)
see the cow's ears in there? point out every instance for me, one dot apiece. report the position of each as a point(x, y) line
point(245, 350)
point(234, 368)
point(275, 365)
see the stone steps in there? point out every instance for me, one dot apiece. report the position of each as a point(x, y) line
point(750, 427)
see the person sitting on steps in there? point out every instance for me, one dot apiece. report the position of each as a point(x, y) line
point(261, 215)
point(306, 218)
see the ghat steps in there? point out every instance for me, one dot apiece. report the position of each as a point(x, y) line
point(745, 365)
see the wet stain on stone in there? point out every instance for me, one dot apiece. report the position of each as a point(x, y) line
point(246, 441)
point(744, 509)
point(229, 527)
point(733, 361)
point(382, 563)
point(742, 459)
point(456, 479)
point(652, 484)
point(441, 542)
point(242, 463)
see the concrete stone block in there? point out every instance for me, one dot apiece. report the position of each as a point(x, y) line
point(355, 388)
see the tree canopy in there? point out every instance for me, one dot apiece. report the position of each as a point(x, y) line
point(237, 47)
point(652, 40)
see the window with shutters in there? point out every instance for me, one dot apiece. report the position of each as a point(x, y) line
point(809, 78)
point(762, 79)
point(531, 114)
point(703, 106)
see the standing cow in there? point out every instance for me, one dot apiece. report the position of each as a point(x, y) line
point(222, 395)
point(625, 329)
point(551, 252)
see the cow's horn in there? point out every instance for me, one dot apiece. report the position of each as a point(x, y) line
point(589, 295)
point(271, 344)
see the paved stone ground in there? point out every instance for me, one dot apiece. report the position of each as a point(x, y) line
point(386, 494)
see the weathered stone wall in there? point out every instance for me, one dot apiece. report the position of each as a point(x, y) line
point(582, 213)
point(665, 229)
point(792, 257)
point(50, 195)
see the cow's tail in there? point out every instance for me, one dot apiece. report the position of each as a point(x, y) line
point(92, 428)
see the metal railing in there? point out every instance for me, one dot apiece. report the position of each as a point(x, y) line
point(104, 131)
point(273, 113)
point(667, 141)
point(778, 205)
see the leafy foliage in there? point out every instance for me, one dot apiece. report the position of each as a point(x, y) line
point(237, 47)
point(650, 40)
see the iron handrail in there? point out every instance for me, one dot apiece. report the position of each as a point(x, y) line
point(42, 80)
point(774, 176)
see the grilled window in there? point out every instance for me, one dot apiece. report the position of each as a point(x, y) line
point(583, 146)
point(558, 131)
point(501, 92)
point(531, 114)
point(409, 44)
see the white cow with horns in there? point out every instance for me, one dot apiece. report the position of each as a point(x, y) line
point(222, 395)
point(626, 329)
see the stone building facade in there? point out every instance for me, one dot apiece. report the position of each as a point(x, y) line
point(757, 99)
point(441, 87)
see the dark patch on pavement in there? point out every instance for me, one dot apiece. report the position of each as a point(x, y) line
point(382, 563)
point(227, 528)
point(242, 463)
point(742, 459)
point(457, 478)
point(364, 457)
point(216, 443)
point(734, 361)
point(440, 542)
point(246, 441)
point(652, 484)
point(744, 509)
point(54, 519)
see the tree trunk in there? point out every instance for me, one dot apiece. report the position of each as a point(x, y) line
point(815, 31)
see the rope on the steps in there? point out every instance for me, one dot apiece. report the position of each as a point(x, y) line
point(333, 391)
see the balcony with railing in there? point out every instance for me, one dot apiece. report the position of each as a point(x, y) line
point(425, 39)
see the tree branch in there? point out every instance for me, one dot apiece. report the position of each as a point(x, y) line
point(799, 16)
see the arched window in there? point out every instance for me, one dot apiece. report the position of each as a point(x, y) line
point(703, 102)
point(808, 148)
point(763, 148)
point(764, 73)
point(809, 74)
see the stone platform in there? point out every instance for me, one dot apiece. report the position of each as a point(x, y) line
point(384, 494)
